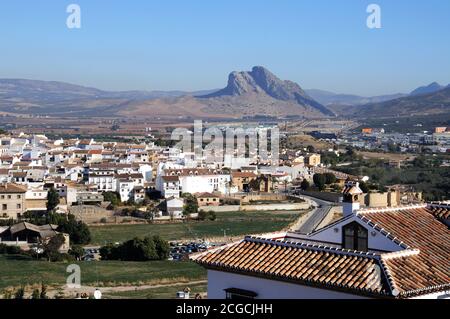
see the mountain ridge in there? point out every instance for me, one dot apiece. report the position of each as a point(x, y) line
point(260, 81)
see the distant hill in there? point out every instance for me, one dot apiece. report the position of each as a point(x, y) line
point(431, 88)
point(58, 98)
point(424, 104)
point(330, 98)
point(254, 93)
point(249, 93)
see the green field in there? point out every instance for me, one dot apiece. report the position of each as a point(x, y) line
point(156, 293)
point(235, 223)
point(16, 271)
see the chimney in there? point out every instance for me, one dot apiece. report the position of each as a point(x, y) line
point(352, 194)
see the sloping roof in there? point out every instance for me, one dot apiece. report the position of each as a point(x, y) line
point(421, 266)
point(44, 230)
point(418, 229)
point(170, 178)
point(12, 189)
point(441, 212)
point(300, 263)
point(243, 174)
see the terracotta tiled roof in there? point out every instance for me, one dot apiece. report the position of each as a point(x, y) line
point(418, 229)
point(300, 263)
point(420, 266)
point(243, 174)
point(12, 189)
point(170, 178)
point(441, 212)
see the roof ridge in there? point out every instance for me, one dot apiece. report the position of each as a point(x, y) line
point(389, 209)
point(314, 247)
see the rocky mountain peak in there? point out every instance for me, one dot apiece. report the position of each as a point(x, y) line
point(261, 81)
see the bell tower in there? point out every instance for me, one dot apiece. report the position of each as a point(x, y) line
point(352, 195)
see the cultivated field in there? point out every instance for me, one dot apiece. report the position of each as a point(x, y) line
point(18, 270)
point(235, 224)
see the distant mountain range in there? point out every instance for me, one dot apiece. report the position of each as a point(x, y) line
point(436, 102)
point(258, 92)
point(248, 93)
point(330, 98)
point(429, 99)
point(431, 88)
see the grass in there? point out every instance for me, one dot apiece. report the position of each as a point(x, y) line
point(17, 270)
point(235, 223)
point(168, 292)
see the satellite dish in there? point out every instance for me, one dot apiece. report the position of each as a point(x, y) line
point(97, 294)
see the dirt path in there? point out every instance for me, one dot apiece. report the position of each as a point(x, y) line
point(89, 290)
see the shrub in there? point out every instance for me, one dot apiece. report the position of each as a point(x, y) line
point(137, 249)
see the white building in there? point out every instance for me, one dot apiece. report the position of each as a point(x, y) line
point(196, 180)
point(125, 188)
point(399, 253)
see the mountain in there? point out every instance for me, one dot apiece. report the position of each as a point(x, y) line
point(431, 88)
point(424, 104)
point(260, 84)
point(330, 98)
point(254, 93)
point(21, 96)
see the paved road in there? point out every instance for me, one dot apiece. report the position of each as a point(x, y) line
point(317, 216)
point(314, 221)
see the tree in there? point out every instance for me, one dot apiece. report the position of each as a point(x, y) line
point(202, 215)
point(137, 249)
point(20, 293)
point(76, 251)
point(310, 149)
point(212, 215)
point(78, 231)
point(319, 181)
point(162, 247)
point(51, 248)
point(112, 197)
point(52, 199)
point(36, 294)
point(255, 184)
point(330, 178)
point(191, 206)
point(363, 186)
point(43, 292)
point(304, 185)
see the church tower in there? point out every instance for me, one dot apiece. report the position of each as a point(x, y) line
point(352, 195)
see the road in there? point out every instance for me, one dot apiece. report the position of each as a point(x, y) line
point(316, 217)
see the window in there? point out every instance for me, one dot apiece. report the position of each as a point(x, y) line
point(4, 207)
point(239, 294)
point(19, 206)
point(19, 196)
point(355, 237)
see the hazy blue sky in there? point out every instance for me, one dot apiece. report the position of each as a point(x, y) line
point(191, 45)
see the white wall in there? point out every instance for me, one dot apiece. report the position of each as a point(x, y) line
point(329, 235)
point(267, 289)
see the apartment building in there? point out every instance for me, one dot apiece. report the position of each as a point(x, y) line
point(12, 201)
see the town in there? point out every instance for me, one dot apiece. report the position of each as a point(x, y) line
point(224, 158)
point(72, 199)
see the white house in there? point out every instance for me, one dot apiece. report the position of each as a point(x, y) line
point(175, 207)
point(125, 188)
point(195, 180)
point(400, 252)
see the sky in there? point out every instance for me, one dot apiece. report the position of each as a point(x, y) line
point(194, 44)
